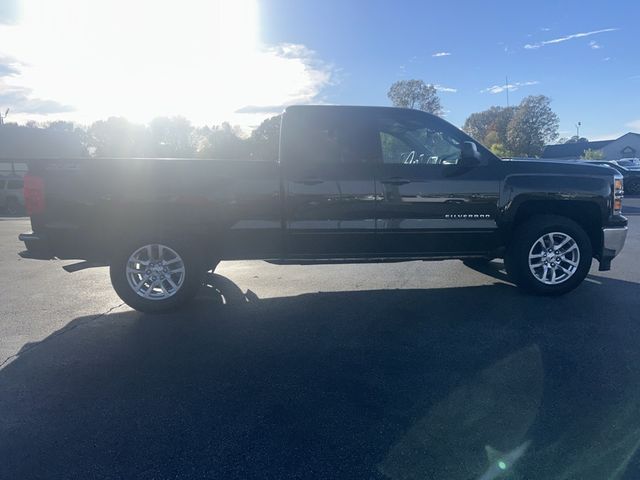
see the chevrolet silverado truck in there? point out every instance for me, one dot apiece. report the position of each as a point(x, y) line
point(351, 184)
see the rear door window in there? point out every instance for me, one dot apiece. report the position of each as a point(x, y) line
point(330, 137)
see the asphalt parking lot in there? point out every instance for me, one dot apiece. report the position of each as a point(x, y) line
point(401, 371)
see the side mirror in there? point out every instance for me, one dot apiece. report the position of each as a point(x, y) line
point(469, 156)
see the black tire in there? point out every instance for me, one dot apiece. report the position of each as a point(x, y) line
point(194, 270)
point(524, 238)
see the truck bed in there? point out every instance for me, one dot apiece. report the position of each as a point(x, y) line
point(90, 202)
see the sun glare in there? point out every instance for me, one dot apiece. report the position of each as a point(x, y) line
point(144, 58)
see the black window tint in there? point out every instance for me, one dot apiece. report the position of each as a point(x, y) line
point(15, 184)
point(414, 140)
point(330, 137)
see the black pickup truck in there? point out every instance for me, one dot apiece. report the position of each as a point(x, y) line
point(351, 184)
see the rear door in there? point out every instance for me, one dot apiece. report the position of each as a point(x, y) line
point(427, 203)
point(328, 158)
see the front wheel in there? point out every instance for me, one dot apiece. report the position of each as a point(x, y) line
point(156, 275)
point(549, 255)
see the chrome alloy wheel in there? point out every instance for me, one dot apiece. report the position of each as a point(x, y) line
point(554, 258)
point(155, 272)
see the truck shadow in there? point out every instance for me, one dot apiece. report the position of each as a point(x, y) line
point(360, 384)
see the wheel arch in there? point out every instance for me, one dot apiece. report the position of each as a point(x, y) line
point(584, 213)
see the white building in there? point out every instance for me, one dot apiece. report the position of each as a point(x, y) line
point(628, 145)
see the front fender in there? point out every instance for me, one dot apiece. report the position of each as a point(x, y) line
point(518, 189)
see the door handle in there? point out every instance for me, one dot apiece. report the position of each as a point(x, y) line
point(395, 181)
point(309, 181)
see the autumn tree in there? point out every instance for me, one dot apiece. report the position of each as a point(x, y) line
point(490, 126)
point(522, 130)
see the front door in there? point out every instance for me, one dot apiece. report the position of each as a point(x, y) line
point(427, 203)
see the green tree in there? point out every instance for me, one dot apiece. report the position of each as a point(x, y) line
point(172, 137)
point(415, 94)
point(221, 141)
point(60, 126)
point(117, 137)
point(265, 139)
point(533, 125)
point(575, 139)
point(69, 128)
point(499, 150)
point(590, 154)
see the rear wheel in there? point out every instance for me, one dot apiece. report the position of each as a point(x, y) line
point(549, 255)
point(156, 275)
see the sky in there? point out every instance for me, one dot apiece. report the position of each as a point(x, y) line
point(244, 60)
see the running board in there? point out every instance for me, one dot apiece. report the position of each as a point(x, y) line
point(343, 261)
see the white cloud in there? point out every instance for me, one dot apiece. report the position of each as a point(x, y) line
point(138, 59)
point(568, 37)
point(512, 87)
point(441, 54)
point(442, 88)
point(21, 101)
point(606, 59)
point(593, 44)
point(634, 125)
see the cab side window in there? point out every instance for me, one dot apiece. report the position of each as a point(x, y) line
point(411, 140)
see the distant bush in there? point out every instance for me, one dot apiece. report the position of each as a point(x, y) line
point(591, 154)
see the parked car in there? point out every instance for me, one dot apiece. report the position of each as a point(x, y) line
point(11, 196)
point(630, 163)
point(351, 184)
point(630, 170)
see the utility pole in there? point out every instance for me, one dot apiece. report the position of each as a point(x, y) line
point(506, 85)
point(578, 130)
